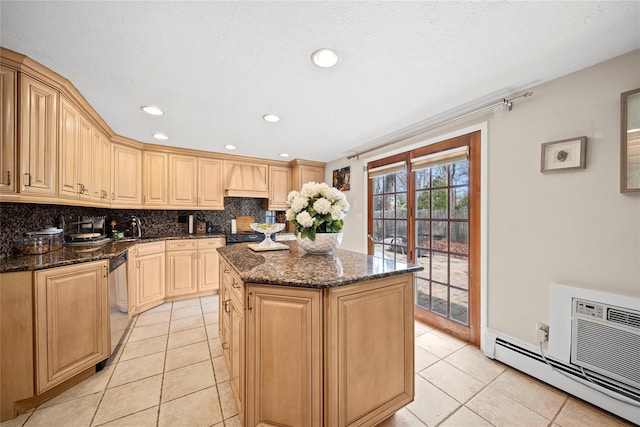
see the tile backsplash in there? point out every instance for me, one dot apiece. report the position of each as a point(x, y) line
point(19, 218)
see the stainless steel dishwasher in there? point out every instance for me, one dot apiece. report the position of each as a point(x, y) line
point(118, 300)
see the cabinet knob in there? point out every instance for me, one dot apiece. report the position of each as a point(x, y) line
point(225, 345)
point(8, 177)
point(236, 285)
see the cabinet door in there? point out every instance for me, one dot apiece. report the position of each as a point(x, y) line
point(311, 174)
point(72, 321)
point(126, 169)
point(182, 270)
point(362, 321)
point(151, 280)
point(279, 187)
point(100, 147)
point(208, 264)
point(85, 159)
point(284, 341)
point(237, 353)
point(183, 175)
point(69, 149)
point(38, 138)
point(8, 141)
point(155, 180)
point(210, 187)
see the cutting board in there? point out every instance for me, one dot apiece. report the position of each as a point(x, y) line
point(242, 223)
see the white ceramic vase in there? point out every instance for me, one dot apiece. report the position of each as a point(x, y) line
point(325, 243)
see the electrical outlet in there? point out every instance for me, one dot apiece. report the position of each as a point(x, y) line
point(542, 332)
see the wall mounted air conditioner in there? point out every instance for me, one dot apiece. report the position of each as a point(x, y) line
point(606, 339)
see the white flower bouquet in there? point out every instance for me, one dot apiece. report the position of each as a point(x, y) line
point(316, 208)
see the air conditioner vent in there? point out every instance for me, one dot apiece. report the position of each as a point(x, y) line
point(624, 317)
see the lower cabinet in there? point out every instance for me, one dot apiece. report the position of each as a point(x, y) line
point(71, 321)
point(283, 343)
point(208, 264)
point(340, 356)
point(182, 267)
point(146, 276)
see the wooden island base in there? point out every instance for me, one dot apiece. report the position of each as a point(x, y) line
point(329, 356)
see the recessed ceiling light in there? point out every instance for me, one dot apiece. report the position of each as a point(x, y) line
point(284, 154)
point(271, 118)
point(154, 111)
point(230, 147)
point(160, 136)
point(325, 57)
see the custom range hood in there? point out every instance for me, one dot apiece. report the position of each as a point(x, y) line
point(245, 180)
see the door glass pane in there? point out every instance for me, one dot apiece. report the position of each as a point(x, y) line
point(459, 173)
point(459, 306)
point(439, 176)
point(439, 299)
point(401, 181)
point(389, 181)
point(439, 235)
point(459, 203)
point(422, 204)
point(390, 206)
point(459, 267)
point(401, 205)
point(377, 204)
point(439, 203)
point(459, 237)
point(422, 293)
point(422, 178)
point(440, 267)
point(377, 231)
point(377, 184)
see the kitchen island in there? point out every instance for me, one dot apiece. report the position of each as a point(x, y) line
point(316, 340)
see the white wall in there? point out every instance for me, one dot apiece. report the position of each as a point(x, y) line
point(567, 227)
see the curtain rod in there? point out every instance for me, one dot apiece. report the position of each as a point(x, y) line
point(506, 103)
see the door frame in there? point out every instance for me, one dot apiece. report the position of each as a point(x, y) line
point(423, 140)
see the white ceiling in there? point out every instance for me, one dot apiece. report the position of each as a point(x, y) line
point(216, 67)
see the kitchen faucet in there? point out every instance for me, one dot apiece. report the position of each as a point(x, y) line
point(135, 222)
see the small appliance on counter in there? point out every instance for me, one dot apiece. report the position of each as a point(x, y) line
point(86, 231)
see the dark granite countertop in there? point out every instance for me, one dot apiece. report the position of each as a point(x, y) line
point(294, 267)
point(69, 255)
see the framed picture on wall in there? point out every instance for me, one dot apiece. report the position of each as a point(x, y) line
point(341, 178)
point(566, 154)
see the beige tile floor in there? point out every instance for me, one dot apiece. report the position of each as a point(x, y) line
point(170, 372)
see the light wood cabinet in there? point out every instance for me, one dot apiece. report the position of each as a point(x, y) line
point(101, 161)
point(8, 135)
point(279, 188)
point(126, 175)
point(182, 267)
point(75, 157)
point(183, 177)
point(38, 138)
point(244, 179)
point(232, 333)
point(208, 264)
point(155, 181)
point(374, 319)
point(339, 356)
point(283, 344)
point(210, 185)
point(146, 276)
point(71, 321)
point(303, 171)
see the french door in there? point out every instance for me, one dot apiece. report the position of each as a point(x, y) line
point(425, 210)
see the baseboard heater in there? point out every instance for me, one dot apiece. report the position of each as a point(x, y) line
point(611, 384)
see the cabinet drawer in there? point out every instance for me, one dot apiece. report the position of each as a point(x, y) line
point(216, 242)
point(151, 247)
point(176, 245)
point(232, 282)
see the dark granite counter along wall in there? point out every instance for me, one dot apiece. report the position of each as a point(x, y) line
point(18, 218)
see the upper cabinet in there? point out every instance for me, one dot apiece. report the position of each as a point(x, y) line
point(183, 176)
point(75, 165)
point(279, 187)
point(8, 125)
point(155, 169)
point(245, 179)
point(126, 175)
point(210, 191)
point(101, 159)
point(303, 171)
point(38, 137)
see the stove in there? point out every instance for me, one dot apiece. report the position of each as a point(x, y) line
point(243, 237)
